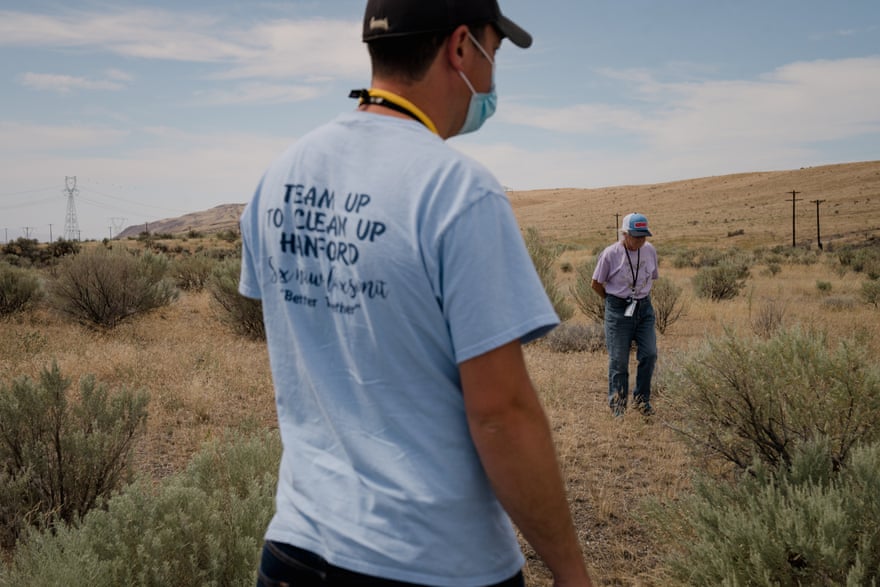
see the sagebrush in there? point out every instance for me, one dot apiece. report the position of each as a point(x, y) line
point(244, 315)
point(19, 289)
point(60, 455)
point(813, 522)
point(583, 294)
point(104, 287)
point(544, 255)
point(742, 398)
point(203, 526)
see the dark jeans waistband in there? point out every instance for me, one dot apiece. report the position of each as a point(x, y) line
point(286, 565)
point(618, 300)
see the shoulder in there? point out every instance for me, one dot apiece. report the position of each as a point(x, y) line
point(611, 250)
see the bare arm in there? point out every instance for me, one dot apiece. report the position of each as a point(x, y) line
point(598, 288)
point(515, 444)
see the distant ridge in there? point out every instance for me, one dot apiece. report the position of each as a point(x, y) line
point(217, 219)
point(743, 209)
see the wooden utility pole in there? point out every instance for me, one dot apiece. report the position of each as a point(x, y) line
point(616, 225)
point(793, 200)
point(818, 233)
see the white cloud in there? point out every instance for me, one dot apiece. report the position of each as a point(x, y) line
point(794, 105)
point(275, 49)
point(284, 49)
point(119, 75)
point(19, 140)
point(577, 119)
point(64, 84)
point(259, 93)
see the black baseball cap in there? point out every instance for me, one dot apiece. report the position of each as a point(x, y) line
point(398, 18)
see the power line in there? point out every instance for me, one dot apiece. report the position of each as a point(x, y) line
point(94, 191)
point(29, 203)
point(27, 192)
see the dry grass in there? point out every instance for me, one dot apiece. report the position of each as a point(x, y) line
point(702, 212)
point(612, 465)
point(203, 379)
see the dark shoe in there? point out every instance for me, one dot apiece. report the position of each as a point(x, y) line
point(645, 408)
point(618, 405)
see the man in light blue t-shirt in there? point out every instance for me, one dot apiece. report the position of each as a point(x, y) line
point(396, 293)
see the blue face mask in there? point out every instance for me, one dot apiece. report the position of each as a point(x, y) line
point(482, 106)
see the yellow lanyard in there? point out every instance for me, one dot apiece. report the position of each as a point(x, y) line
point(394, 102)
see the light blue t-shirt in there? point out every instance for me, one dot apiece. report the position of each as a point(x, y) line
point(384, 258)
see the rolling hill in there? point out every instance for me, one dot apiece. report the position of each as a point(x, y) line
point(745, 209)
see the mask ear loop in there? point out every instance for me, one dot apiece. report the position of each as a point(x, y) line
point(486, 55)
point(467, 81)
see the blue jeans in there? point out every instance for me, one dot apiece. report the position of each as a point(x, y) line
point(283, 565)
point(620, 333)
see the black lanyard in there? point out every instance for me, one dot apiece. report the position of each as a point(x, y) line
point(634, 270)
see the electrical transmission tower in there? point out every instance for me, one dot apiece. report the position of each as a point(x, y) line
point(116, 224)
point(71, 224)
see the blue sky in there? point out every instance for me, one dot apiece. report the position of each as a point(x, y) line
point(165, 108)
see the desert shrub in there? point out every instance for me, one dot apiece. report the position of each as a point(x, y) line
point(585, 298)
point(806, 524)
point(823, 286)
point(191, 272)
point(544, 256)
point(570, 337)
point(839, 303)
point(795, 255)
point(720, 282)
point(668, 303)
point(58, 457)
point(19, 289)
point(871, 292)
point(229, 235)
point(769, 318)
point(741, 398)
point(711, 257)
point(773, 269)
point(25, 252)
point(63, 248)
point(203, 526)
point(104, 287)
point(684, 258)
point(861, 259)
point(243, 315)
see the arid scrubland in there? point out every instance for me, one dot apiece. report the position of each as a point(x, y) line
point(204, 379)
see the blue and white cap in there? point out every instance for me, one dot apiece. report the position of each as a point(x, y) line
point(635, 224)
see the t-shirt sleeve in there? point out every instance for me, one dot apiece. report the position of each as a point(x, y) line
point(491, 293)
point(248, 282)
point(600, 273)
point(655, 274)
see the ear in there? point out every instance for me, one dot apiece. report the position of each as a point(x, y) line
point(456, 47)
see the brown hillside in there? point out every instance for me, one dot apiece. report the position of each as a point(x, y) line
point(217, 219)
point(746, 209)
point(706, 210)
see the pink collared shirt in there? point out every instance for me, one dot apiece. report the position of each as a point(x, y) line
point(615, 272)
